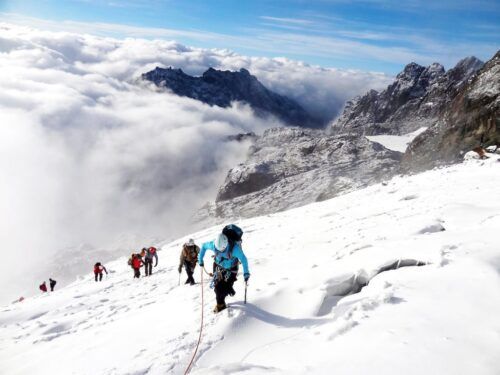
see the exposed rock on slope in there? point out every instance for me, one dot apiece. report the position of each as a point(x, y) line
point(290, 167)
point(412, 101)
point(220, 88)
point(472, 119)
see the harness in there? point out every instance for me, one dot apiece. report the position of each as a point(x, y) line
point(221, 273)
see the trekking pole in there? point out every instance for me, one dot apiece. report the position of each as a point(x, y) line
point(246, 285)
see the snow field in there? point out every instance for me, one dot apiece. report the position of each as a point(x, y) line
point(396, 142)
point(425, 245)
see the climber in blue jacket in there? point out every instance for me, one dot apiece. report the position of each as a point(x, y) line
point(228, 254)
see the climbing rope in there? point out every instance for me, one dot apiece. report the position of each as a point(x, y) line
point(208, 273)
point(201, 325)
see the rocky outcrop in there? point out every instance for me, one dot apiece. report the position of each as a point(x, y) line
point(414, 100)
point(290, 167)
point(472, 119)
point(221, 88)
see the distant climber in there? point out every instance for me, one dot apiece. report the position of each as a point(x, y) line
point(188, 258)
point(148, 260)
point(52, 284)
point(43, 287)
point(136, 263)
point(228, 251)
point(98, 268)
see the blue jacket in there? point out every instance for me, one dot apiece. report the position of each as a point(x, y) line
point(223, 259)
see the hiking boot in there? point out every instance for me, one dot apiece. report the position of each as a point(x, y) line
point(187, 281)
point(231, 292)
point(219, 308)
point(192, 282)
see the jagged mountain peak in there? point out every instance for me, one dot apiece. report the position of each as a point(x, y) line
point(222, 87)
point(470, 61)
point(469, 120)
point(413, 100)
point(410, 71)
point(434, 71)
point(465, 68)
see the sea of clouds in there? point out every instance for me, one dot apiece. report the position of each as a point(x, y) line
point(89, 154)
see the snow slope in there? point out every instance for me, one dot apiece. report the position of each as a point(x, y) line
point(427, 245)
point(396, 142)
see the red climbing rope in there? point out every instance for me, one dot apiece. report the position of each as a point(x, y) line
point(201, 325)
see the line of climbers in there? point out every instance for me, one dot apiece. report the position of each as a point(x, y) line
point(228, 254)
point(136, 262)
point(43, 286)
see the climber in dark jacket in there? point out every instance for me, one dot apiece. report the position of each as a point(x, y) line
point(188, 258)
point(52, 284)
point(148, 260)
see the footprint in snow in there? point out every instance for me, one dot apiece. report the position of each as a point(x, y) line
point(36, 316)
point(432, 228)
point(409, 197)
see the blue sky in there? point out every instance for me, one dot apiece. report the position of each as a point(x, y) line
point(375, 35)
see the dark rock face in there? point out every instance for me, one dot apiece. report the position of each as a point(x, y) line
point(472, 119)
point(220, 88)
point(412, 101)
point(290, 167)
point(240, 137)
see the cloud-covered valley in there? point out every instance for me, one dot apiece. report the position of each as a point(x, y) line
point(88, 153)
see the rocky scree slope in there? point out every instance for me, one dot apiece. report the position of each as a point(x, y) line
point(290, 167)
point(472, 119)
point(220, 88)
point(414, 100)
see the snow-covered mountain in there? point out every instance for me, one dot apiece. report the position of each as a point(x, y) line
point(290, 167)
point(415, 99)
point(470, 120)
point(221, 88)
point(401, 277)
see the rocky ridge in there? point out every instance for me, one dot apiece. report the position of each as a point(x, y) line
point(290, 167)
point(414, 100)
point(221, 88)
point(472, 119)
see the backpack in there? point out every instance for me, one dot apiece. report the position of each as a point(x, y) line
point(233, 234)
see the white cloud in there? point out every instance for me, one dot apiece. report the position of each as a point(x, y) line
point(88, 154)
